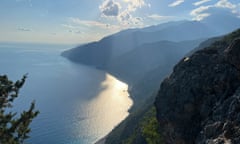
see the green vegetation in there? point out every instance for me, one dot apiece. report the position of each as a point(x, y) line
point(147, 130)
point(150, 128)
point(14, 128)
point(141, 125)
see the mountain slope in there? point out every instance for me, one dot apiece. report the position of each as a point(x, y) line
point(99, 53)
point(222, 21)
point(200, 101)
point(188, 30)
point(132, 66)
point(143, 93)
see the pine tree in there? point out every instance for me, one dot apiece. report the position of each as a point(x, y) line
point(14, 127)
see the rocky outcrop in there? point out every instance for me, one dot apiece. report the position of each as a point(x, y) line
point(233, 53)
point(200, 101)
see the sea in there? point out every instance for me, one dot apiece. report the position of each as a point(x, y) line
point(78, 104)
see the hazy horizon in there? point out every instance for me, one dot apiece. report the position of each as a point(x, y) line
point(81, 21)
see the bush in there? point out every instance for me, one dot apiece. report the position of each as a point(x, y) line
point(14, 128)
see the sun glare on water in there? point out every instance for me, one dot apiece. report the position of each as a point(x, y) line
point(110, 107)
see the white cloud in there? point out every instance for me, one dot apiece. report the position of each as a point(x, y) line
point(90, 30)
point(110, 8)
point(122, 11)
point(69, 26)
point(199, 10)
point(137, 21)
point(202, 16)
point(24, 29)
point(201, 2)
point(199, 13)
point(159, 17)
point(78, 32)
point(176, 3)
point(76, 24)
point(237, 10)
point(204, 11)
point(133, 5)
point(87, 23)
point(225, 4)
point(127, 20)
point(124, 16)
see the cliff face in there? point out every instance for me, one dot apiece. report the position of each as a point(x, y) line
point(200, 101)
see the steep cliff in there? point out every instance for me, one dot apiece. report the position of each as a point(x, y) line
point(200, 101)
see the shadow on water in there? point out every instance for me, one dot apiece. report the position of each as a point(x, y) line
point(69, 96)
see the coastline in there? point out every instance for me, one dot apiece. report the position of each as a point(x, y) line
point(102, 140)
point(123, 90)
point(110, 107)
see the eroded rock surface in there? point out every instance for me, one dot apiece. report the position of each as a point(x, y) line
point(200, 101)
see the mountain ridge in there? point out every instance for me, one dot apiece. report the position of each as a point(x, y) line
point(117, 44)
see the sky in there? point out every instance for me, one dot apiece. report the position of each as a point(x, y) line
point(82, 21)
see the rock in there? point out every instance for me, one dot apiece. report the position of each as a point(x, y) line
point(200, 101)
point(233, 53)
point(213, 129)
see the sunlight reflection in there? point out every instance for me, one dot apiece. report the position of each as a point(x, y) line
point(109, 108)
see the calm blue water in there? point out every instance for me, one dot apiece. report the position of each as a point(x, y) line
point(62, 91)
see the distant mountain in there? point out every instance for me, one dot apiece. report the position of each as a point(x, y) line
point(100, 53)
point(222, 22)
point(159, 27)
point(134, 65)
point(187, 30)
point(199, 102)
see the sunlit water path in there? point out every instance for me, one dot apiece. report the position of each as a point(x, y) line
point(78, 104)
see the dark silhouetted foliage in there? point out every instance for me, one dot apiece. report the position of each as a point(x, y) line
point(14, 128)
